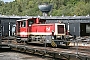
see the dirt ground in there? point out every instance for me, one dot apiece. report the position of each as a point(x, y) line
point(19, 56)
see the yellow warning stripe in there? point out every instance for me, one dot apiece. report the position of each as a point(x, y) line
point(53, 43)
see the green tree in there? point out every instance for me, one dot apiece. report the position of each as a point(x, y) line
point(60, 7)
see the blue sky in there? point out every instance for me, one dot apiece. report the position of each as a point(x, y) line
point(7, 0)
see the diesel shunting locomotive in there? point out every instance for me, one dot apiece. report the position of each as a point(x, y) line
point(36, 30)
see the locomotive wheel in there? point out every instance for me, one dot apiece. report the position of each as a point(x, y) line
point(18, 41)
point(67, 43)
point(27, 42)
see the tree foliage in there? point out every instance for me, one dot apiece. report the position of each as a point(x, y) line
point(60, 7)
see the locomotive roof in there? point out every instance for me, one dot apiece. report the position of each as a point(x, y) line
point(29, 18)
point(22, 19)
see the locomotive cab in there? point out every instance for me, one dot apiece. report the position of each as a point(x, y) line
point(24, 26)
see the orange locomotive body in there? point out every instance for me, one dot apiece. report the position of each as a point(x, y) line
point(36, 30)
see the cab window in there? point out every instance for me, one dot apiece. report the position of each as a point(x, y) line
point(23, 23)
point(30, 22)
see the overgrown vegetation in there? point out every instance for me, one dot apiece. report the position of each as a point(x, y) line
point(60, 7)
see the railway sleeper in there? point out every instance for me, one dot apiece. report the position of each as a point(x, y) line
point(51, 54)
point(13, 47)
point(22, 49)
point(40, 52)
point(19, 47)
point(30, 50)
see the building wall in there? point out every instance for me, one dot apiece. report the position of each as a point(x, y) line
point(74, 23)
point(5, 26)
point(75, 29)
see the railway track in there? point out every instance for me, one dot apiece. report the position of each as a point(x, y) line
point(12, 40)
point(49, 51)
point(73, 49)
point(81, 49)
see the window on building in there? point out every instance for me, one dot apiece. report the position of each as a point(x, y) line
point(0, 21)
